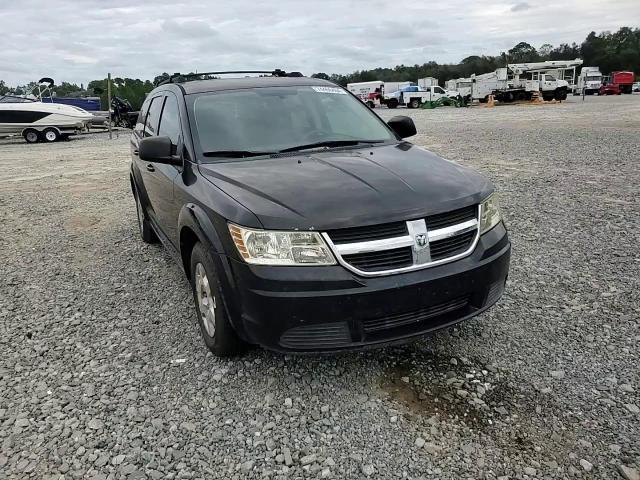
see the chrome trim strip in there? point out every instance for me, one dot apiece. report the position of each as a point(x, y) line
point(341, 261)
point(374, 245)
point(453, 230)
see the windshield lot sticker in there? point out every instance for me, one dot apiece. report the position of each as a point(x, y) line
point(330, 90)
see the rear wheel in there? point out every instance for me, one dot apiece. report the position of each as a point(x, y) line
point(217, 332)
point(393, 103)
point(415, 103)
point(50, 135)
point(146, 232)
point(31, 135)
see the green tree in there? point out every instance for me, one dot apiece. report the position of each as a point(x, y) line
point(523, 52)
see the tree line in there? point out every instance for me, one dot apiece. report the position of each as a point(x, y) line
point(610, 51)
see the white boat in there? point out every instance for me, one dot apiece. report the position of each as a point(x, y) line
point(40, 121)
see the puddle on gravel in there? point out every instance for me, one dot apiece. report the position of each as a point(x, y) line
point(445, 390)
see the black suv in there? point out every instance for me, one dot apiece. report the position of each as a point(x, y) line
point(304, 222)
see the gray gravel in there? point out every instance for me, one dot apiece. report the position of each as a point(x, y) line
point(103, 373)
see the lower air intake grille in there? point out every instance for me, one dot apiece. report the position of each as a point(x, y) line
point(317, 336)
point(381, 260)
point(415, 316)
point(449, 247)
point(495, 292)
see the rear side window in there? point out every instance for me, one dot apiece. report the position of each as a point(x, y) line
point(170, 121)
point(142, 116)
point(153, 118)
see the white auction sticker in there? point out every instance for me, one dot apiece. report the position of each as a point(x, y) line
point(329, 90)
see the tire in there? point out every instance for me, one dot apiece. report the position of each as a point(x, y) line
point(31, 135)
point(50, 135)
point(217, 332)
point(146, 232)
point(393, 103)
point(371, 105)
point(414, 103)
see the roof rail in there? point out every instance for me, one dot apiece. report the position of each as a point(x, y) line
point(187, 77)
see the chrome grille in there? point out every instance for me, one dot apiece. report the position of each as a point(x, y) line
point(404, 246)
point(381, 260)
point(451, 218)
point(372, 232)
point(447, 247)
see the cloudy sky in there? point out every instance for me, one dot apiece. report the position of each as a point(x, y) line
point(81, 40)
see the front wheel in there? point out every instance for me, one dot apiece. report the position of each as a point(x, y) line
point(31, 135)
point(217, 331)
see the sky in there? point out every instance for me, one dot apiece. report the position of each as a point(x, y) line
point(81, 40)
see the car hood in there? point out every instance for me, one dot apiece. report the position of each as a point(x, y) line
point(335, 189)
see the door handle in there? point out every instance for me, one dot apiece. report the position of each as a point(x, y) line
point(150, 167)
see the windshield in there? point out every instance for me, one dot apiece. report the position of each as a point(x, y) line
point(594, 77)
point(279, 118)
point(11, 99)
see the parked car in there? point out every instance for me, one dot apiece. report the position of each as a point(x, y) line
point(306, 223)
point(636, 87)
point(609, 89)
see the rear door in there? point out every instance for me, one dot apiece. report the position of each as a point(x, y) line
point(168, 209)
point(157, 178)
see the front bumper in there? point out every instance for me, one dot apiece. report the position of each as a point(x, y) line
point(313, 309)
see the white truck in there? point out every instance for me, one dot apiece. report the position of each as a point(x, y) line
point(427, 82)
point(589, 80)
point(364, 88)
point(392, 87)
point(414, 96)
point(462, 86)
point(518, 82)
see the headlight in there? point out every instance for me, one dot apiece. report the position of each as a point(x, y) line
point(489, 214)
point(264, 247)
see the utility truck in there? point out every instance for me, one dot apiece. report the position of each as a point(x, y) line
point(589, 81)
point(414, 96)
point(462, 86)
point(519, 81)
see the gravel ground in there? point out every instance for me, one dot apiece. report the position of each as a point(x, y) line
point(103, 373)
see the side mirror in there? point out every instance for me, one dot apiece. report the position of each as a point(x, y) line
point(158, 150)
point(403, 126)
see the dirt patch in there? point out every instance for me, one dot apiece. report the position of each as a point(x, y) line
point(80, 223)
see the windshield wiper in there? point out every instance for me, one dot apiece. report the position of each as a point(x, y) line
point(235, 153)
point(329, 143)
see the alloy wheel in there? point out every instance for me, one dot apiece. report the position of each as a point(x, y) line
point(206, 301)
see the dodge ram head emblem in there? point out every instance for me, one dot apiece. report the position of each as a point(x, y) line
point(421, 240)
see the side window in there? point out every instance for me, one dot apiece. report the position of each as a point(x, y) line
point(437, 90)
point(153, 118)
point(142, 116)
point(170, 121)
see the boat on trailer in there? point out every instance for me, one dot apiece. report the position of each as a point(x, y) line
point(39, 121)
